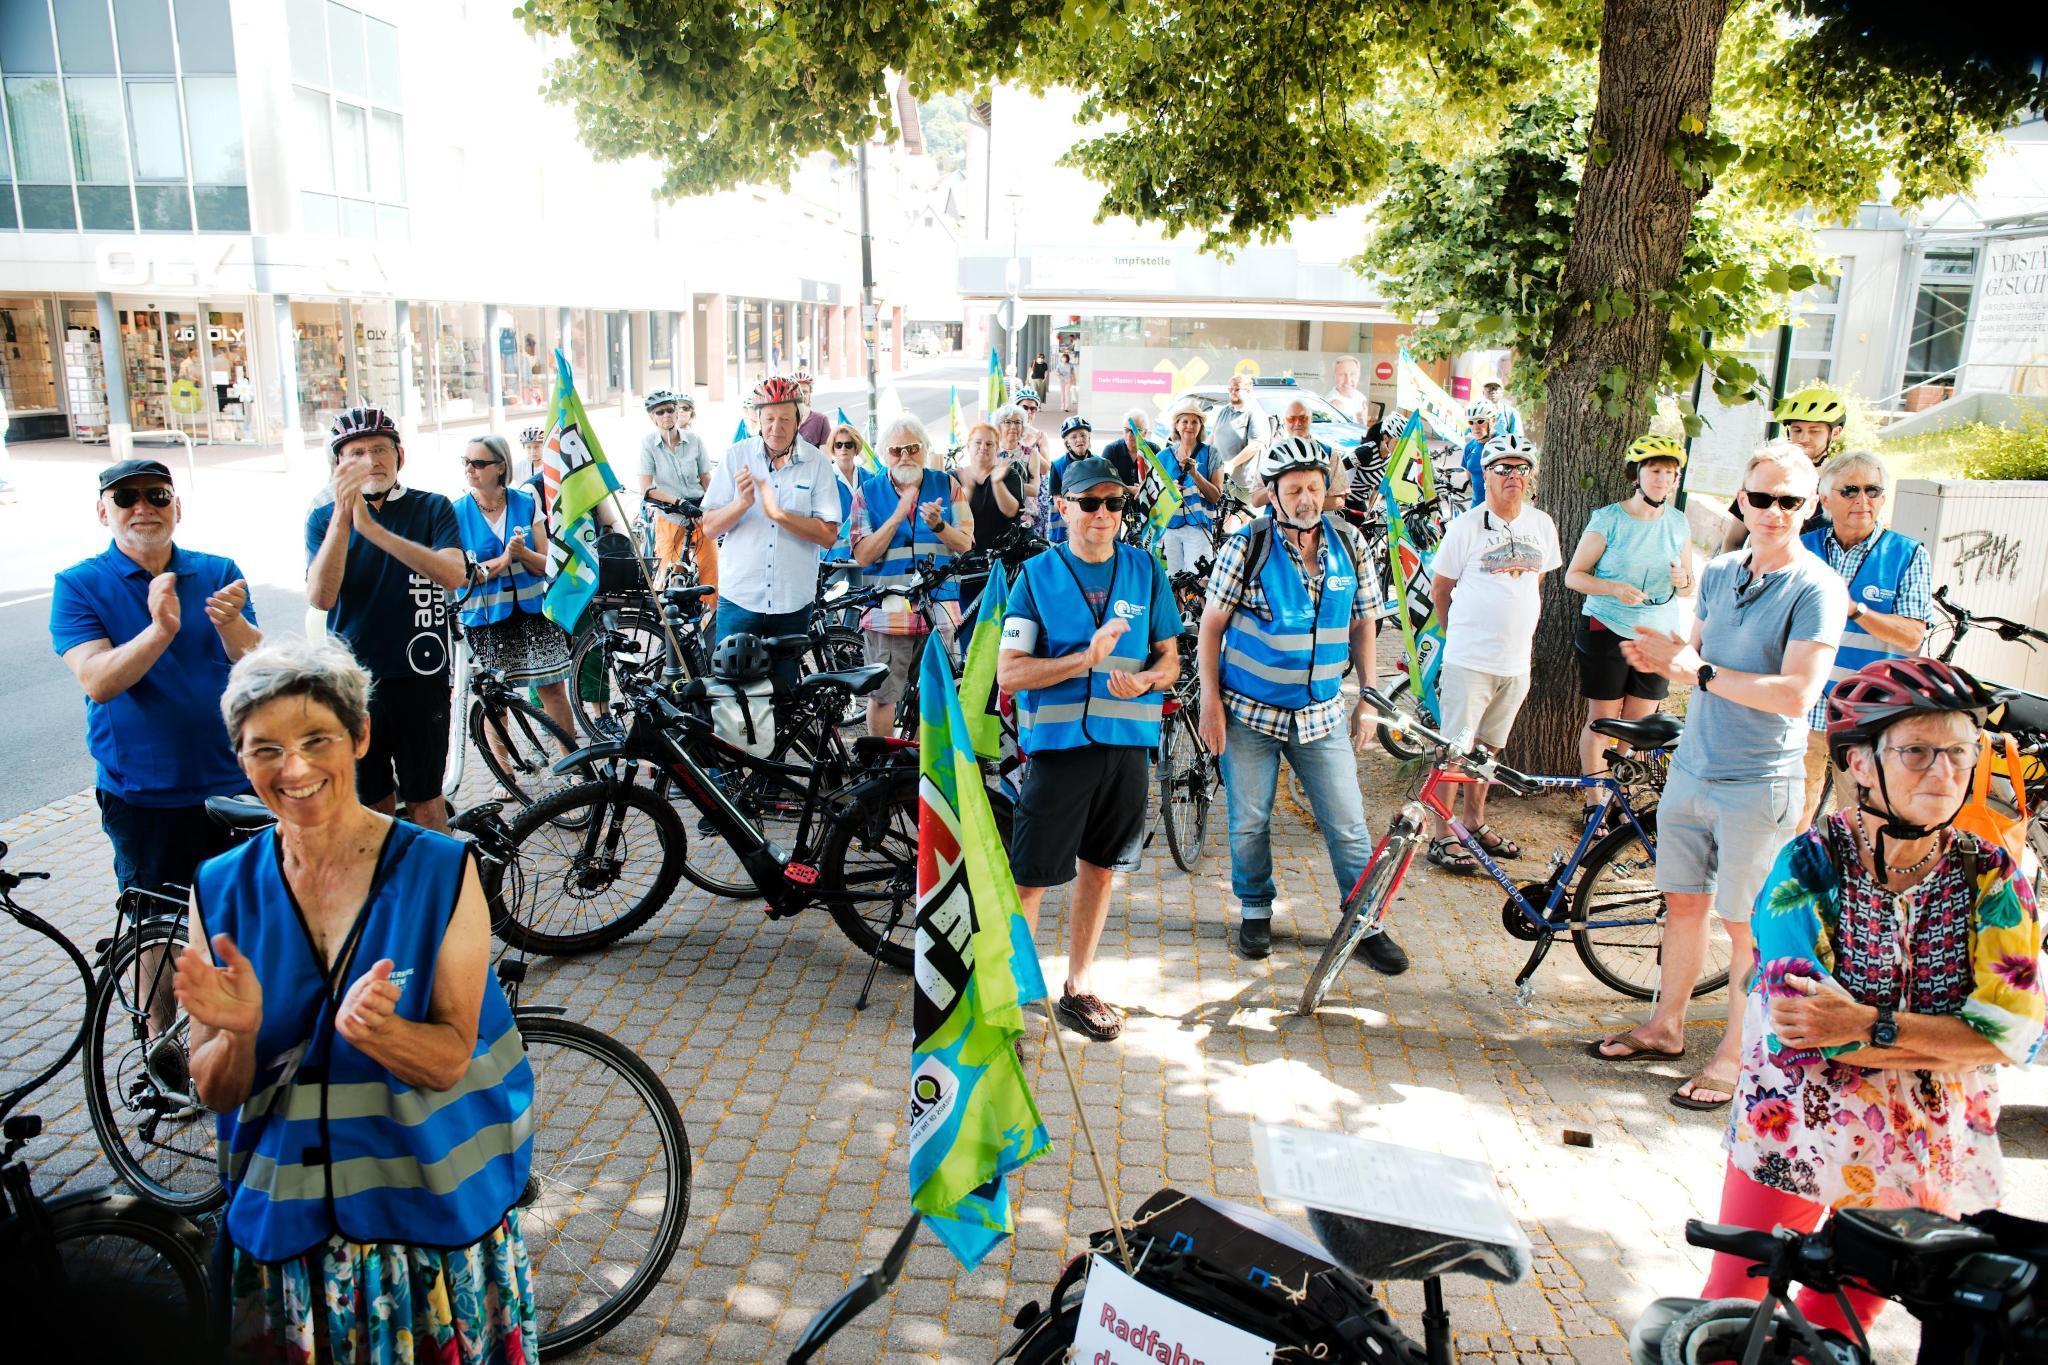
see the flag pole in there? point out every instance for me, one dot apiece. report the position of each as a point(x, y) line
point(1116, 1218)
point(675, 648)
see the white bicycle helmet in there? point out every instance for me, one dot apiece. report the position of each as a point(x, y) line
point(1288, 454)
point(1481, 411)
point(1508, 443)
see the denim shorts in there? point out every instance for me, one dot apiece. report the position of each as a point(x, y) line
point(1720, 838)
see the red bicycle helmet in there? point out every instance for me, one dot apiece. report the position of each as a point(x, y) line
point(775, 389)
point(350, 423)
point(1877, 696)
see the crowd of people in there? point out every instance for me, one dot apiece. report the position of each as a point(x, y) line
point(1898, 955)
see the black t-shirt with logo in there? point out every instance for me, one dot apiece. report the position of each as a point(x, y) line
point(395, 620)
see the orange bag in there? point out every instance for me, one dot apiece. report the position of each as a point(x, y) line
point(1979, 817)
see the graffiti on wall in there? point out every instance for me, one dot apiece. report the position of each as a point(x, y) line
point(1986, 556)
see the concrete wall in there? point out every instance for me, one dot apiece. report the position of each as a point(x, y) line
point(1986, 542)
point(1997, 409)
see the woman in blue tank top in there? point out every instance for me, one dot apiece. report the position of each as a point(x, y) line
point(374, 1099)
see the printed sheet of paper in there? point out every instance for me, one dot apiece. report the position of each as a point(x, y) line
point(1384, 1182)
point(1124, 1322)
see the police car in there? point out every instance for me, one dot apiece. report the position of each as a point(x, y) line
point(1269, 396)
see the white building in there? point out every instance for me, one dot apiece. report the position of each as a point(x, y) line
point(279, 207)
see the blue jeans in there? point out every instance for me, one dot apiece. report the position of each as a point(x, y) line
point(734, 620)
point(1329, 774)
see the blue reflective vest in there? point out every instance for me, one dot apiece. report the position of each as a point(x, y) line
point(1297, 654)
point(328, 1140)
point(1876, 586)
point(516, 591)
point(914, 540)
point(1194, 508)
point(1080, 711)
point(840, 551)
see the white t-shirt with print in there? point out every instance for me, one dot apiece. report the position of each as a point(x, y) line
point(1495, 564)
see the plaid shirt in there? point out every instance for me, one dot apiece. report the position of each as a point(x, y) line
point(1230, 590)
point(1915, 599)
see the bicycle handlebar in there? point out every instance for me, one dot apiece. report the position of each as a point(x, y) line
point(2011, 631)
point(1486, 766)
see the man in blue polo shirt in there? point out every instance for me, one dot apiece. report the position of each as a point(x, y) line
point(150, 631)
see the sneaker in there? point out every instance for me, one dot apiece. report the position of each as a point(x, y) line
point(1382, 954)
point(1255, 937)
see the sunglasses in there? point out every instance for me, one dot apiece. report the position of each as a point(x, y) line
point(910, 449)
point(1786, 502)
point(664, 412)
point(1873, 491)
point(846, 445)
point(1509, 471)
point(1094, 505)
point(480, 464)
point(125, 498)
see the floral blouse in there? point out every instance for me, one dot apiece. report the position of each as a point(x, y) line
point(1965, 942)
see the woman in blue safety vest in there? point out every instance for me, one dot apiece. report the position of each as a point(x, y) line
point(1191, 465)
point(1077, 433)
point(505, 537)
point(374, 1099)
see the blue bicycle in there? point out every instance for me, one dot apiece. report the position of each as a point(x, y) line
point(1604, 896)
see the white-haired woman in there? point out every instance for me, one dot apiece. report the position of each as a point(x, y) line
point(1023, 445)
point(908, 516)
point(345, 1018)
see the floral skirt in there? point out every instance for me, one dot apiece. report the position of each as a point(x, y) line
point(389, 1304)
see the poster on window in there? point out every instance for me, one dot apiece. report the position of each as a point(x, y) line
point(2008, 350)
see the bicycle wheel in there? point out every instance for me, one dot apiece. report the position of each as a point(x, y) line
point(610, 1189)
point(1619, 881)
point(596, 662)
point(138, 1091)
point(1396, 741)
point(837, 649)
point(1186, 788)
point(595, 862)
point(868, 863)
point(136, 1272)
point(1363, 908)
point(531, 741)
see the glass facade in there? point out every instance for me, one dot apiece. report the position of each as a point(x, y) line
point(117, 126)
point(461, 386)
point(350, 130)
point(523, 358)
point(1941, 313)
point(28, 373)
point(321, 356)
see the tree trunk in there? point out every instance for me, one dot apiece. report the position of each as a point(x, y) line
point(1628, 243)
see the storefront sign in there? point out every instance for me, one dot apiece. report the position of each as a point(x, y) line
point(233, 336)
point(1124, 1322)
point(1102, 271)
point(2009, 334)
point(185, 397)
point(1130, 381)
point(818, 291)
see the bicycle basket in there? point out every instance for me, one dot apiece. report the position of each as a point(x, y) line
point(618, 572)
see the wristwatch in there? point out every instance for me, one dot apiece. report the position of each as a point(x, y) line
point(1706, 675)
point(1857, 611)
point(1884, 1032)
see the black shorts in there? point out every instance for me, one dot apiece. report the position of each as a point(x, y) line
point(408, 741)
point(1087, 803)
point(1604, 673)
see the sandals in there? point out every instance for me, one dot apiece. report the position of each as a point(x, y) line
point(1636, 1049)
point(1685, 1097)
point(1452, 856)
point(1499, 847)
point(1090, 1015)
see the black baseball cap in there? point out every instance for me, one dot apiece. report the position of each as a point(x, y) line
point(1092, 472)
point(129, 469)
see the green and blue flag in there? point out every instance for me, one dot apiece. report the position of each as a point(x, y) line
point(578, 478)
point(993, 391)
point(1161, 492)
point(870, 463)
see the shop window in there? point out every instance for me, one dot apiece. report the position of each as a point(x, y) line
point(313, 158)
point(163, 208)
point(105, 208)
point(318, 346)
point(96, 141)
point(306, 32)
point(345, 51)
point(214, 112)
point(222, 208)
point(351, 150)
point(142, 30)
point(387, 157)
point(25, 39)
point(381, 41)
point(153, 126)
point(206, 40)
point(85, 42)
point(28, 379)
point(1935, 346)
point(660, 334)
point(47, 206)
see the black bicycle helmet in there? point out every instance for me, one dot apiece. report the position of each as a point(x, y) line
point(740, 658)
point(662, 396)
point(1075, 423)
point(351, 423)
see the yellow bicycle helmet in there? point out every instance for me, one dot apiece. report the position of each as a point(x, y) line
point(1814, 403)
point(1651, 446)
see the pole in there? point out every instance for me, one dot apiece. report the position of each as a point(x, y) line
point(1016, 304)
point(869, 318)
point(1699, 393)
point(1779, 373)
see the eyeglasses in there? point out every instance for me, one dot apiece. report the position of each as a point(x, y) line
point(125, 498)
point(911, 449)
point(1093, 505)
point(1510, 471)
point(1786, 502)
point(846, 445)
point(311, 748)
point(480, 464)
point(1918, 758)
point(1873, 491)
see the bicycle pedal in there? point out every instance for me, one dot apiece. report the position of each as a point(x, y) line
point(802, 874)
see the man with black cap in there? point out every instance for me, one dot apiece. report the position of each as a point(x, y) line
point(1091, 642)
point(150, 630)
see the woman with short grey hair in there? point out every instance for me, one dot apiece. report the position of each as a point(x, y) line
point(1021, 444)
point(348, 956)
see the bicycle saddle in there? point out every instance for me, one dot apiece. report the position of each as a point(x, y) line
point(787, 644)
point(243, 813)
point(859, 681)
point(684, 595)
point(1387, 1251)
point(1654, 731)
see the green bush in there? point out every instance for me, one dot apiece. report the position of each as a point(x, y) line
point(1976, 450)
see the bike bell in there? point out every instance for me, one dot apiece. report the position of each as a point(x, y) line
point(740, 658)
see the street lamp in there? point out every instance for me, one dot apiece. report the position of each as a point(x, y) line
point(1015, 278)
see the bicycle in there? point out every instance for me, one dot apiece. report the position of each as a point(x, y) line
point(1604, 896)
point(2024, 718)
point(134, 1269)
point(920, 596)
point(1188, 775)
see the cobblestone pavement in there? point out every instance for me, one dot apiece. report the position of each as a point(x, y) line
point(794, 1100)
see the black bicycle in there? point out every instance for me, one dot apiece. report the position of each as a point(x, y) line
point(518, 741)
point(2024, 718)
point(1188, 775)
point(124, 1273)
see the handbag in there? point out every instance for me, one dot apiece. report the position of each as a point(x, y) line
point(1979, 817)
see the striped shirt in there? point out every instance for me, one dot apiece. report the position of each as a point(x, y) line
point(1915, 599)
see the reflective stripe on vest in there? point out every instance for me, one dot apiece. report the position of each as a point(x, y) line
point(914, 540)
point(1297, 656)
point(518, 590)
point(1194, 507)
point(1876, 586)
point(329, 1141)
point(1080, 711)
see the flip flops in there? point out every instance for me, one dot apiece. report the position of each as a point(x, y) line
point(1638, 1050)
point(1704, 1081)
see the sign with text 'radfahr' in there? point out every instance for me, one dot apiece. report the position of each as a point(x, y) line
point(1126, 1323)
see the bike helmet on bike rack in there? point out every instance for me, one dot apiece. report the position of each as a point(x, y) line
point(775, 389)
point(351, 423)
point(740, 657)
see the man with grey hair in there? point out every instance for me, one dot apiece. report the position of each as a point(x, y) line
point(1763, 635)
point(1891, 593)
point(905, 518)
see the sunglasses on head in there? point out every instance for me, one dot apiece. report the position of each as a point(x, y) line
point(125, 498)
point(1873, 491)
point(1092, 505)
point(1787, 502)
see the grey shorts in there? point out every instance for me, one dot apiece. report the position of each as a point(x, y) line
point(1720, 838)
point(902, 653)
point(1479, 707)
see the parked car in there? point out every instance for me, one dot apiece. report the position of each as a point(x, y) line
point(1271, 395)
